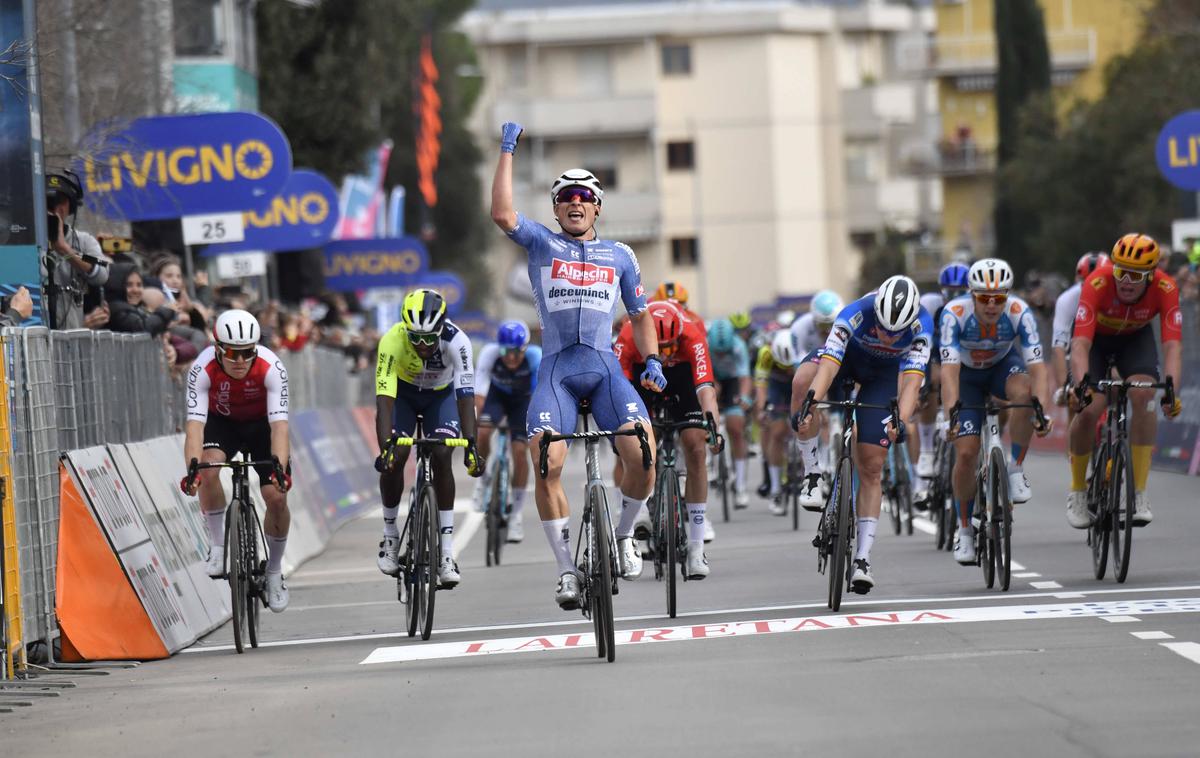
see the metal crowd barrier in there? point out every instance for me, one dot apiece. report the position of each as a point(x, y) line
point(80, 388)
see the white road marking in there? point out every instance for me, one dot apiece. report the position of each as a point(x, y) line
point(1120, 619)
point(464, 648)
point(1045, 585)
point(466, 530)
point(1017, 566)
point(1026, 575)
point(924, 524)
point(1189, 650)
point(1153, 635)
point(579, 621)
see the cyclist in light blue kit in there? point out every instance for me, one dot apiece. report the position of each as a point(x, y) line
point(882, 342)
point(577, 279)
point(505, 375)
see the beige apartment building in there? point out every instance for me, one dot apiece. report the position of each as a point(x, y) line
point(746, 146)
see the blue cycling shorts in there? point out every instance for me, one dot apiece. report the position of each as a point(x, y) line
point(975, 384)
point(578, 373)
point(501, 405)
point(878, 382)
point(438, 410)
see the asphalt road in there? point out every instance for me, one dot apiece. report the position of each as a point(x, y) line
point(930, 662)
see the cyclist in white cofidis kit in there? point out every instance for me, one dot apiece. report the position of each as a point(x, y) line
point(577, 278)
point(238, 401)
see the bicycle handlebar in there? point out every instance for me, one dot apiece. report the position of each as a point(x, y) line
point(1040, 421)
point(637, 431)
point(1123, 384)
point(811, 402)
point(430, 442)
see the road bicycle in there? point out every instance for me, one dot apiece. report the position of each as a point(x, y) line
point(668, 511)
point(244, 544)
point(835, 532)
point(1110, 495)
point(597, 563)
point(897, 488)
point(496, 503)
point(993, 505)
point(417, 579)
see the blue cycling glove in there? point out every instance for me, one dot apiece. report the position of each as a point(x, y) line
point(654, 374)
point(510, 132)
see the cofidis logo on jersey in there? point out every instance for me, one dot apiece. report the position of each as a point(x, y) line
point(162, 167)
point(301, 217)
point(1178, 151)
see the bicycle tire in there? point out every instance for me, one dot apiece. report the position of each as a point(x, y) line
point(1098, 532)
point(723, 481)
point(1001, 521)
point(492, 514)
point(904, 492)
point(237, 589)
point(593, 609)
point(433, 553)
point(949, 517)
point(409, 571)
point(983, 506)
point(256, 579)
point(602, 586)
point(1121, 489)
point(839, 563)
point(937, 502)
point(505, 500)
point(670, 516)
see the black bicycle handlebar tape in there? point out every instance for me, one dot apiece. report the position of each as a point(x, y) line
point(804, 409)
point(1040, 420)
point(647, 458)
point(193, 468)
point(543, 454)
point(1169, 394)
point(1080, 391)
point(714, 437)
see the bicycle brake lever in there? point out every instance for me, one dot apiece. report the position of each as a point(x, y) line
point(641, 435)
point(543, 455)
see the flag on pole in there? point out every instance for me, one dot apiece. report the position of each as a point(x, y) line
point(428, 106)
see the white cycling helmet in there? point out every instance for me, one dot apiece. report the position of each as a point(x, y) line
point(237, 328)
point(825, 307)
point(897, 303)
point(577, 177)
point(990, 275)
point(783, 348)
point(785, 318)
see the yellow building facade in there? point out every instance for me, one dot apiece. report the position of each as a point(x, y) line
point(1083, 36)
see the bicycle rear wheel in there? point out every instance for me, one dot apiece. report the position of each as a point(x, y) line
point(838, 564)
point(723, 481)
point(669, 513)
point(256, 574)
point(236, 573)
point(1123, 505)
point(1001, 521)
point(1098, 498)
point(601, 581)
point(431, 555)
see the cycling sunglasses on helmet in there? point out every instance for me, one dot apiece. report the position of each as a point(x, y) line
point(573, 194)
point(1130, 276)
point(424, 340)
point(237, 353)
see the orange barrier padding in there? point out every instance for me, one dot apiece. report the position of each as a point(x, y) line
point(99, 612)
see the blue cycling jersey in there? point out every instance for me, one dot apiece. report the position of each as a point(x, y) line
point(576, 284)
point(965, 340)
point(856, 326)
point(493, 373)
point(732, 364)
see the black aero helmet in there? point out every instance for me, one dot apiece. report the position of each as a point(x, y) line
point(64, 185)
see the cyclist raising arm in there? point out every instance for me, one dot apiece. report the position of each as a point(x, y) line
point(1116, 305)
point(577, 278)
point(238, 402)
point(424, 369)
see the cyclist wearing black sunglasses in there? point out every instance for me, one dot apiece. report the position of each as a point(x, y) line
point(238, 403)
point(1117, 303)
point(577, 279)
point(425, 368)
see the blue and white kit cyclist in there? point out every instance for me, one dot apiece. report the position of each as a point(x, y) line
point(978, 336)
point(731, 367)
point(505, 375)
point(952, 283)
point(881, 342)
point(812, 329)
point(577, 279)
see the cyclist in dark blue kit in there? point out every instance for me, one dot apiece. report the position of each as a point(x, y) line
point(505, 375)
point(577, 279)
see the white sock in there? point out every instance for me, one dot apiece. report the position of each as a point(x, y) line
point(216, 527)
point(629, 513)
point(808, 454)
point(518, 502)
point(866, 538)
point(739, 475)
point(775, 472)
point(696, 522)
point(275, 548)
point(446, 523)
point(925, 431)
point(389, 521)
point(558, 534)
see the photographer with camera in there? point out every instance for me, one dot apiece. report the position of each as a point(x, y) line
point(74, 261)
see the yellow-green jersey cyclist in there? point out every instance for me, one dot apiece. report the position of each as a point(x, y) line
point(425, 368)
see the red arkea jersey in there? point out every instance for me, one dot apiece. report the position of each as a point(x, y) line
point(693, 349)
point(1100, 312)
point(262, 393)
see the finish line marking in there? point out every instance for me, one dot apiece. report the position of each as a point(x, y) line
point(466, 649)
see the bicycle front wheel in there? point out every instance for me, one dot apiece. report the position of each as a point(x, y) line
point(723, 481)
point(493, 516)
point(410, 571)
point(1123, 505)
point(601, 580)
point(983, 535)
point(839, 563)
point(1099, 504)
point(669, 513)
point(256, 572)
point(236, 573)
point(904, 490)
point(890, 487)
point(429, 563)
point(1000, 523)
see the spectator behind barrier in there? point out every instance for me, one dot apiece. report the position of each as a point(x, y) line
point(16, 308)
point(128, 311)
point(169, 271)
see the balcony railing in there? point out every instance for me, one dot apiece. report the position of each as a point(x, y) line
point(563, 117)
point(976, 53)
